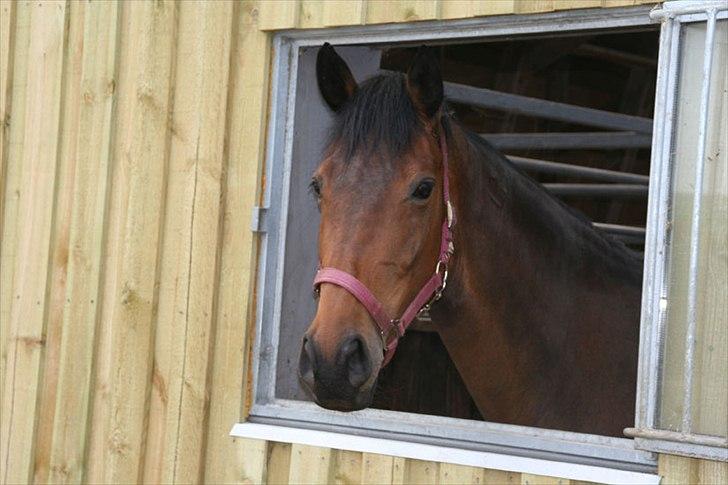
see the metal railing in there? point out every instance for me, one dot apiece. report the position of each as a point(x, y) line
point(647, 432)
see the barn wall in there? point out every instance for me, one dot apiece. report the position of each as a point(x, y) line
point(132, 145)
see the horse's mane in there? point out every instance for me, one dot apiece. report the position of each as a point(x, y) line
point(380, 117)
point(549, 207)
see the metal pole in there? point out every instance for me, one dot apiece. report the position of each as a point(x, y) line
point(598, 190)
point(600, 174)
point(695, 228)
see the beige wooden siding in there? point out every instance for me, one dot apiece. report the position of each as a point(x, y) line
point(132, 145)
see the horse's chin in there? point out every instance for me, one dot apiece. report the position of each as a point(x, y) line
point(362, 400)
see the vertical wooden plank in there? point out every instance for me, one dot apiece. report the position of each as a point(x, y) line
point(346, 467)
point(311, 14)
point(529, 479)
point(344, 12)
point(534, 6)
point(713, 471)
point(135, 217)
point(189, 255)
point(254, 462)
point(279, 14)
point(501, 477)
point(475, 8)
point(86, 239)
point(617, 3)
point(65, 175)
point(384, 11)
point(38, 163)
point(459, 474)
point(456, 9)
point(278, 463)
point(424, 472)
point(376, 468)
point(399, 467)
point(310, 464)
point(14, 39)
point(574, 4)
point(677, 469)
point(8, 12)
point(247, 108)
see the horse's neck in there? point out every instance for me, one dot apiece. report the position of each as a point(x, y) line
point(506, 314)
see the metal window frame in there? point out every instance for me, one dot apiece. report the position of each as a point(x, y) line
point(271, 221)
point(647, 432)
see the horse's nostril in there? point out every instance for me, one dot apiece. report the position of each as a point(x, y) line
point(354, 355)
point(306, 361)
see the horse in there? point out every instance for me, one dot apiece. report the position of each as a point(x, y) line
point(537, 308)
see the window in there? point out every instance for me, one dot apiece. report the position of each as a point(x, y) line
point(286, 267)
point(683, 395)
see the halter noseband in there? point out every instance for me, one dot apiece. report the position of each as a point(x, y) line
point(392, 329)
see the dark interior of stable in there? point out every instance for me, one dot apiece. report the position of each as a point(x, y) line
point(614, 72)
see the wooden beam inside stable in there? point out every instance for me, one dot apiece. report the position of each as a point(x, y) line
point(562, 141)
point(541, 108)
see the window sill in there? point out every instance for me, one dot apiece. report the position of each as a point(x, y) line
point(442, 454)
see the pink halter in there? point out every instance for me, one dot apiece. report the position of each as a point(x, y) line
point(392, 329)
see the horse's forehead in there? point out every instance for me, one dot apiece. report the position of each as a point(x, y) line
point(378, 165)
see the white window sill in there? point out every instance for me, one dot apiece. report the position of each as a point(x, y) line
point(442, 454)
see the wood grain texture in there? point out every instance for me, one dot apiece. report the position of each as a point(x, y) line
point(452, 9)
point(60, 239)
point(278, 463)
point(310, 464)
point(14, 88)
point(245, 148)
point(87, 230)
point(37, 161)
point(189, 260)
point(344, 12)
point(384, 11)
point(279, 14)
point(135, 221)
point(377, 468)
point(529, 479)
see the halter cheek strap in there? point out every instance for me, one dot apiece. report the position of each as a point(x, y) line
point(392, 329)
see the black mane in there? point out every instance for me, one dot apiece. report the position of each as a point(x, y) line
point(379, 117)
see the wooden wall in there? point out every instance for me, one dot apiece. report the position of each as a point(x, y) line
point(132, 144)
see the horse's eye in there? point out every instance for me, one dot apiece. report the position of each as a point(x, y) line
point(423, 190)
point(315, 188)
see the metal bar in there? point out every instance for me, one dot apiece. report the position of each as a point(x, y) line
point(487, 98)
point(614, 55)
point(618, 229)
point(695, 227)
point(565, 141)
point(545, 166)
point(661, 434)
point(598, 190)
point(674, 8)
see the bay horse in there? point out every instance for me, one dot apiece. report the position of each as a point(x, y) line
point(540, 312)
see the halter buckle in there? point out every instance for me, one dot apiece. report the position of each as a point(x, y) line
point(441, 267)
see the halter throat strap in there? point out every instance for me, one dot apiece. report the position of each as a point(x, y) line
point(392, 329)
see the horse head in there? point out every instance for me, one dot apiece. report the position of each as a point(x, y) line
point(380, 188)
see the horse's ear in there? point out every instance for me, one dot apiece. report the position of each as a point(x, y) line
point(335, 80)
point(424, 82)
